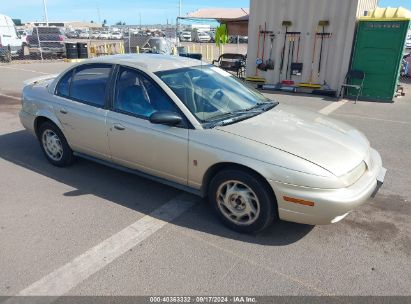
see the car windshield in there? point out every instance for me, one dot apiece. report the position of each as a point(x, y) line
point(213, 95)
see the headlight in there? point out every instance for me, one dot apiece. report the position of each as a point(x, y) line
point(354, 175)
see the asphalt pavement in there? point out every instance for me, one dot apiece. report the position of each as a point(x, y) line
point(92, 230)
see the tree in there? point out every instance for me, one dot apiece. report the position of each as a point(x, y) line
point(91, 21)
point(104, 22)
point(221, 35)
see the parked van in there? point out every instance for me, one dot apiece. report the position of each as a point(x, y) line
point(11, 43)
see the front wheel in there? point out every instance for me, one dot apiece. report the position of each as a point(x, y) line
point(54, 145)
point(242, 201)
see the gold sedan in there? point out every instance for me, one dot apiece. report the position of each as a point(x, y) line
point(196, 127)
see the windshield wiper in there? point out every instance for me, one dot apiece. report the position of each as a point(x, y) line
point(268, 105)
point(258, 108)
point(231, 120)
point(240, 115)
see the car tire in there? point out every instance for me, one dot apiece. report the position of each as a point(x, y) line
point(54, 145)
point(242, 200)
point(6, 56)
point(35, 56)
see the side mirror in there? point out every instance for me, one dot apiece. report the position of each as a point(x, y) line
point(166, 118)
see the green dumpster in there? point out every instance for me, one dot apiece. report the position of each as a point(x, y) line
point(378, 52)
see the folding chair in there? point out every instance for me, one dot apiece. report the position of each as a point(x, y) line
point(351, 76)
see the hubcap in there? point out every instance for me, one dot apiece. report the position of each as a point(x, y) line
point(238, 203)
point(52, 145)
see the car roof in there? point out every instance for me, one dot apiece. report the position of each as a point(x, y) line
point(150, 62)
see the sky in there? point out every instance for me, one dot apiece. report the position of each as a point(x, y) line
point(152, 11)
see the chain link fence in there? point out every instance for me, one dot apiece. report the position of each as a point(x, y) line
point(42, 43)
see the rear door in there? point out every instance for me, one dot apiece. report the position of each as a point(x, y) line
point(81, 108)
point(134, 141)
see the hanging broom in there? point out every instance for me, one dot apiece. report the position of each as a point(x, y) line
point(310, 84)
point(256, 77)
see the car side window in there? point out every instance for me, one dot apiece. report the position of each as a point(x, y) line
point(63, 88)
point(138, 95)
point(89, 84)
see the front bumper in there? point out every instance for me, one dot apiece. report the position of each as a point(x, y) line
point(27, 120)
point(329, 205)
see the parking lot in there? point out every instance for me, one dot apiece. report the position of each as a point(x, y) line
point(60, 229)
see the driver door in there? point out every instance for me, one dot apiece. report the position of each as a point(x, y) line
point(134, 141)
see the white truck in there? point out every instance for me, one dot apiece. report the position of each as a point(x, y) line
point(11, 43)
point(408, 41)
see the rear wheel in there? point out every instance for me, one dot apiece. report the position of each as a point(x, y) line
point(54, 145)
point(242, 200)
point(6, 57)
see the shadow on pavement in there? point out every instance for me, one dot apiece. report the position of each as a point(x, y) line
point(133, 192)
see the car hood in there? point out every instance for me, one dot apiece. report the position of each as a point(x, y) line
point(330, 144)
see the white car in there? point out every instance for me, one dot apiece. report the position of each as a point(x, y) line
point(104, 35)
point(196, 127)
point(202, 37)
point(95, 35)
point(116, 35)
point(185, 36)
point(84, 35)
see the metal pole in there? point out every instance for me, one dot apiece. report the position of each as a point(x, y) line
point(38, 41)
point(177, 31)
point(129, 41)
point(98, 14)
point(178, 23)
point(45, 13)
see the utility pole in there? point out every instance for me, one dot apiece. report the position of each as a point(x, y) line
point(45, 13)
point(178, 23)
point(98, 14)
point(140, 21)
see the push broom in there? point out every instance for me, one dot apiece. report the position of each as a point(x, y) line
point(310, 84)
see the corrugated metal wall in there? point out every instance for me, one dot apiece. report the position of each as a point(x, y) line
point(305, 16)
point(366, 6)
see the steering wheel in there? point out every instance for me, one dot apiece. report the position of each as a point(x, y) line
point(215, 92)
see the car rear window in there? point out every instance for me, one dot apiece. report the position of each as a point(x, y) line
point(49, 30)
point(63, 88)
point(88, 84)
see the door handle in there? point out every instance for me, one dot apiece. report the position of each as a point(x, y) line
point(119, 127)
point(63, 111)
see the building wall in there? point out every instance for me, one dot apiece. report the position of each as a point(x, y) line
point(305, 15)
